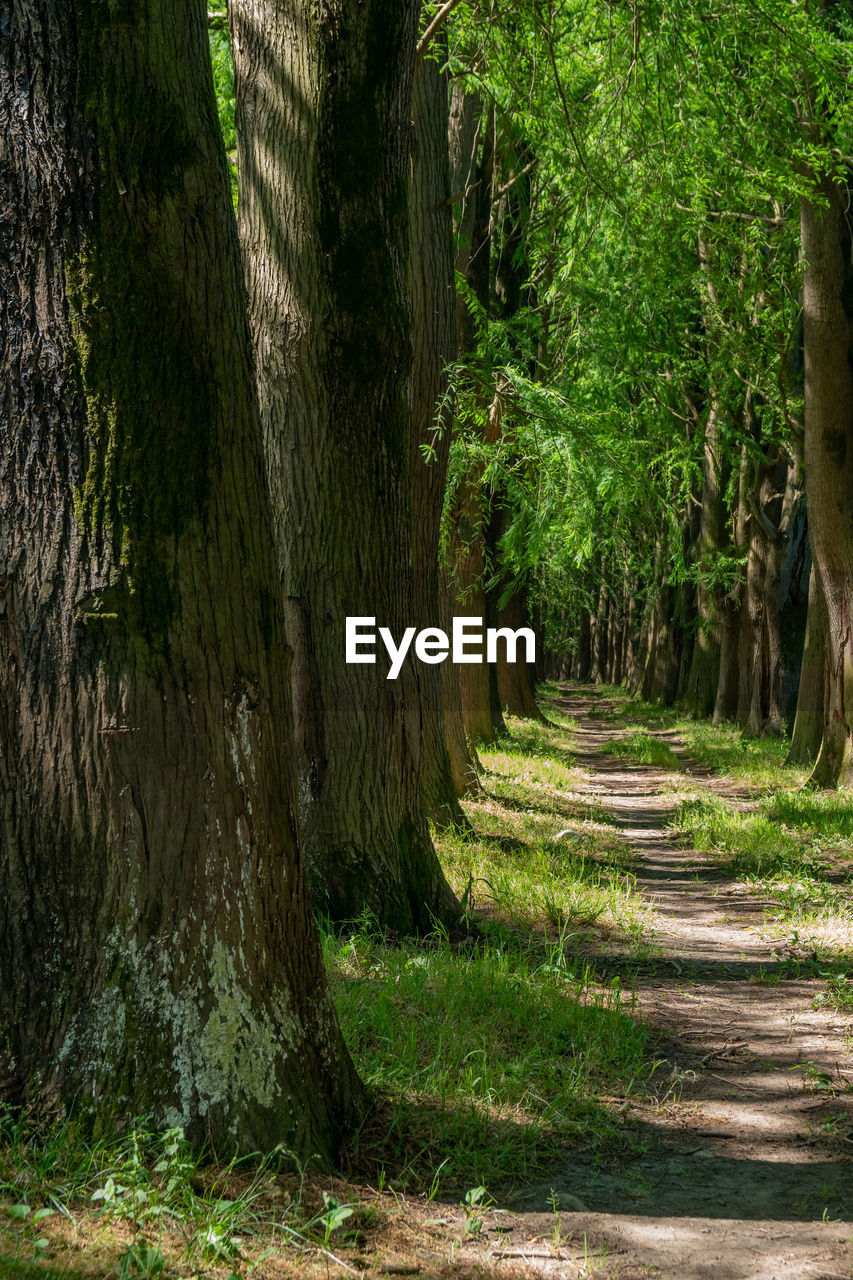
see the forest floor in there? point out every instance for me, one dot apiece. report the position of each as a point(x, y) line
point(638, 1064)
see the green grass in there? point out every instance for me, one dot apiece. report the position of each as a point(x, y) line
point(756, 762)
point(138, 1204)
point(545, 854)
point(641, 747)
point(753, 762)
point(779, 851)
point(815, 813)
point(490, 1058)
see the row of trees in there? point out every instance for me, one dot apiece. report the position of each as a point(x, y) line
point(676, 414)
point(221, 438)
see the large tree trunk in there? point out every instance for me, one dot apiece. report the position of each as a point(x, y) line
point(157, 953)
point(827, 316)
point(434, 332)
point(323, 129)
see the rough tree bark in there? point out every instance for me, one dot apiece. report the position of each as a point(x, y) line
point(323, 132)
point(442, 736)
point(157, 953)
point(827, 333)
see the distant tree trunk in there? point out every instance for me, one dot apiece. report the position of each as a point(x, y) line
point(614, 633)
point(687, 596)
point(780, 513)
point(434, 333)
point(511, 291)
point(157, 952)
point(598, 673)
point(323, 131)
point(752, 629)
point(814, 682)
point(827, 316)
point(794, 597)
point(583, 651)
point(662, 684)
point(631, 640)
point(701, 689)
point(465, 765)
point(731, 609)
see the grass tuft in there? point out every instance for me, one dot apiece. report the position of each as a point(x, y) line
point(641, 747)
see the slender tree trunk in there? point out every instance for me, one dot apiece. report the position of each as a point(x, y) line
point(731, 610)
point(701, 689)
point(663, 682)
point(584, 651)
point(157, 953)
point(323, 130)
point(631, 640)
point(465, 766)
point(779, 511)
point(434, 330)
point(751, 639)
point(598, 672)
point(688, 608)
point(827, 315)
point(808, 723)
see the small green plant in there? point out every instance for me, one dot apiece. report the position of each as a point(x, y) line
point(838, 993)
point(141, 1262)
point(473, 1204)
point(554, 1202)
point(335, 1215)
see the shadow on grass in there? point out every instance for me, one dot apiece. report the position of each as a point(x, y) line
point(830, 815)
point(487, 1061)
point(557, 807)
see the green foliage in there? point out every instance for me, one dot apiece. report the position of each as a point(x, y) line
point(649, 162)
point(222, 63)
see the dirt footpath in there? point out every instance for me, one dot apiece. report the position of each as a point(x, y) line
point(745, 1172)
